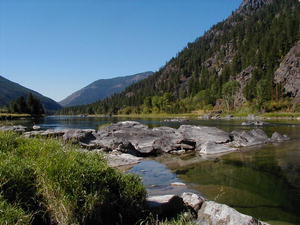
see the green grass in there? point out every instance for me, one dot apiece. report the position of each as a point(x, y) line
point(52, 183)
point(182, 219)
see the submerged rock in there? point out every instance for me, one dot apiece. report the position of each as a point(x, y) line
point(216, 214)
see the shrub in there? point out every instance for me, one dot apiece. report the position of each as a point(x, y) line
point(58, 184)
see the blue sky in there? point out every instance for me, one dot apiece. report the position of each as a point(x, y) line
point(59, 46)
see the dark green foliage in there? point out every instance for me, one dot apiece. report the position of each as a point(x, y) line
point(32, 106)
point(57, 184)
point(259, 39)
point(10, 91)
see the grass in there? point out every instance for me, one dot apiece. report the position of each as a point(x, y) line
point(46, 182)
point(182, 219)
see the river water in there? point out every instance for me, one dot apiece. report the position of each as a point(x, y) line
point(262, 181)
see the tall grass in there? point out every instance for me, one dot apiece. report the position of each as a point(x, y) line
point(52, 183)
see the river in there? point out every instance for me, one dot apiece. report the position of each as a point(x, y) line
point(262, 181)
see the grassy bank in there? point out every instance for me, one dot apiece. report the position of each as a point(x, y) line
point(46, 182)
point(13, 116)
point(273, 115)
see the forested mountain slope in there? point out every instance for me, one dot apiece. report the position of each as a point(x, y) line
point(229, 67)
point(10, 91)
point(101, 89)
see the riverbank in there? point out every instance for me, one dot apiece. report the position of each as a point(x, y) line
point(207, 115)
point(46, 181)
point(14, 116)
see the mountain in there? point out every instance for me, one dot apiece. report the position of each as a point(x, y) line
point(10, 91)
point(101, 89)
point(231, 67)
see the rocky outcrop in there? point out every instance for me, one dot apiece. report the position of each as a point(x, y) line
point(249, 138)
point(243, 78)
point(206, 212)
point(134, 138)
point(216, 214)
point(288, 73)
point(250, 6)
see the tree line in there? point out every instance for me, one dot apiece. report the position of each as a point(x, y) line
point(29, 105)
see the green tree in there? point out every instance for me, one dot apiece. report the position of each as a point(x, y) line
point(228, 91)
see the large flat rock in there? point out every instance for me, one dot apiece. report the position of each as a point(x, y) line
point(212, 213)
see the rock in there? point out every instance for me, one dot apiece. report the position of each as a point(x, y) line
point(214, 148)
point(134, 138)
point(192, 200)
point(288, 73)
point(45, 133)
point(213, 213)
point(165, 205)
point(178, 184)
point(35, 127)
point(79, 135)
point(249, 138)
point(254, 123)
point(16, 128)
point(118, 160)
point(229, 117)
point(276, 137)
point(202, 134)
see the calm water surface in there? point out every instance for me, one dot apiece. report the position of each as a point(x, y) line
point(262, 181)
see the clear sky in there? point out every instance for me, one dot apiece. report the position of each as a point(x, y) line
point(59, 46)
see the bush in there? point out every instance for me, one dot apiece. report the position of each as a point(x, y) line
point(10, 214)
point(58, 184)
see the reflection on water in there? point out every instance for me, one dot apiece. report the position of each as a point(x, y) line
point(262, 181)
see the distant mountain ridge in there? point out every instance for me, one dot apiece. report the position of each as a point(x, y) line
point(102, 88)
point(10, 91)
point(241, 62)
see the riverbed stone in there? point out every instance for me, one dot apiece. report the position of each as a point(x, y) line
point(192, 200)
point(123, 159)
point(202, 134)
point(276, 137)
point(209, 148)
point(164, 206)
point(213, 213)
point(249, 138)
point(79, 135)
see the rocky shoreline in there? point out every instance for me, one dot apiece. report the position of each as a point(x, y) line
point(127, 143)
point(204, 211)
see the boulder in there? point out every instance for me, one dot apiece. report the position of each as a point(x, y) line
point(202, 134)
point(209, 148)
point(165, 206)
point(118, 160)
point(276, 137)
point(79, 135)
point(249, 138)
point(213, 213)
point(192, 200)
